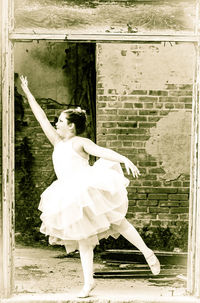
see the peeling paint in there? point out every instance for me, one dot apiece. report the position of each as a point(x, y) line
point(105, 16)
point(169, 143)
point(146, 66)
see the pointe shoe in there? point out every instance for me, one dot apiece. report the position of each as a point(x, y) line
point(153, 263)
point(85, 292)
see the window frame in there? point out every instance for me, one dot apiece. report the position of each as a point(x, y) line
point(8, 38)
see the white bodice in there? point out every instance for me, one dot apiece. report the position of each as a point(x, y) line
point(66, 160)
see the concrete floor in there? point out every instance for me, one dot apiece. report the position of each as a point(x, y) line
point(45, 275)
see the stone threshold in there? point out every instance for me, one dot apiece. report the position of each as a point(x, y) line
point(101, 298)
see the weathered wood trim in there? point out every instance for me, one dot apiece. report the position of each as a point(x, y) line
point(193, 271)
point(7, 214)
point(102, 37)
point(193, 187)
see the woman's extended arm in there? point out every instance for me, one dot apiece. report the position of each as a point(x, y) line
point(40, 115)
point(109, 154)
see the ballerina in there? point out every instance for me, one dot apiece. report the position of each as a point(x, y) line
point(86, 203)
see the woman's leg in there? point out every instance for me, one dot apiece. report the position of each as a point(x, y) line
point(128, 231)
point(86, 255)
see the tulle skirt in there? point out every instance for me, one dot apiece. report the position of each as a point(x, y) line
point(85, 205)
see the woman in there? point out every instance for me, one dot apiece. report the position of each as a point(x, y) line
point(86, 203)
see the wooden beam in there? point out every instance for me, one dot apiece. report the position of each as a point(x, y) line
point(7, 201)
point(109, 37)
point(193, 271)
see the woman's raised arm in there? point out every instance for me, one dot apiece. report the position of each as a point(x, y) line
point(109, 154)
point(40, 115)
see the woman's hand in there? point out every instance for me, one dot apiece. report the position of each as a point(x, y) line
point(24, 83)
point(131, 167)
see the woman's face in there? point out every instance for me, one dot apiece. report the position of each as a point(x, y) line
point(62, 126)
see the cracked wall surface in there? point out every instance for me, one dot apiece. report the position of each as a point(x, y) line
point(42, 62)
point(144, 106)
point(169, 143)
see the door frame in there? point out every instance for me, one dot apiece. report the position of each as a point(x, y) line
point(8, 38)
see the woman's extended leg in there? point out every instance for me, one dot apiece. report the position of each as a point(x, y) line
point(128, 231)
point(86, 255)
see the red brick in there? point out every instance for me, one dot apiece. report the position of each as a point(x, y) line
point(185, 99)
point(146, 216)
point(100, 91)
point(169, 105)
point(156, 170)
point(112, 91)
point(109, 124)
point(158, 92)
point(147, 203)
point(147, 163)
point(102, 98)
point(148, 112)
point(112, 99)
point(148, 105)
point(129, 98)
point(171, 86)
point(139, 209)
point(168, 217)
point(168, 203)
point(128, 105)
point(127, 124)
point(164, 112)
point(137, 118)
point(183, 190)
point(139, 92)
point(188, 106)
point(184, 217)
point(180, 93)
point(186, 86)
point(184, 203)
point(138, 105)
point(147, 125)
point(115, 144)
point(179, 105)
point(158, 210)
point(150, 177)
point(127, 143)
point(176, 183)
point(133, 137)
point(155, 223)
point(157, 196)
point(107, 111)
point(127, 112)
point(168, 99)
point(179, 210)
point(178, 197)
point(159, 105)
point(101, 104)
point(147, 183)
point(153, 119)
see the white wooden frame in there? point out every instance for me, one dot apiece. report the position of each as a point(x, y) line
point(7, 204)
point(8, 37)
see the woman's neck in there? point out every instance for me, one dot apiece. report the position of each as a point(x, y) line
point(68, 137)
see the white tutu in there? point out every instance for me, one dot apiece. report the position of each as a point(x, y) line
point(85, 202)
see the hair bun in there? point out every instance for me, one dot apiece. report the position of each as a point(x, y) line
point(80, 111)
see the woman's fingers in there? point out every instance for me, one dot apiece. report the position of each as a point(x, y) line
point(24, 80)
point(135, 171)
point(127, 168)
point(131, 167)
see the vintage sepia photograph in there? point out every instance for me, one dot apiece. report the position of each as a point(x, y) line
point(100, 151)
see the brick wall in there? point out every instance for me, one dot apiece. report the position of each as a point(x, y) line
point(148, 120)
point(41, 149)
point(144, 97)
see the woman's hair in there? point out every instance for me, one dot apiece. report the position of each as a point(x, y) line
point(78, 117)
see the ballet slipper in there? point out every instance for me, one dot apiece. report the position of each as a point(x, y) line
point(153, 263)
point(85, 292)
